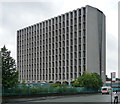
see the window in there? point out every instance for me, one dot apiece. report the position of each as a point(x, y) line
point(67, 36)
point(75, 69)
point(52, 27)
point(67, 49)
point(56, 45)
point(71, 29)
point(79, 19)
point(67, 43)
point(56, 51)
point(79, 47)
point(67, 62)
point(67, 56)
point(63, 30)
point(67, 23)
point(84, 40)
point(71, 48)
point(75, 13)
point(84, 25)
point(79, 12)
point(64, 43)
point(49, 28)
point(67, 16)
point(75, 48)
point(53, 52)
point(83, 53)
point(49, 22)
point(79, 34)
point(75, 54)
point(84, 47)
point(83, 60)
point(84, 18)
point(63, 56)
point(75, 34)
point(56, 64)
point(67, 69)
point(67, 29)
point(71, 22)
point(63, 76)
point(60, 30)
point(67, 76)
point(75, 20)
point(71, 69)
point(63, 50)
point(52, 76)
point(71, 62)
point(60, 57)
point(63, 17)
point(84, 10)
point(53, 21)
point(59, 76)
point(71, 42)
point(63, 63)
point(75, 41)
point(59, 63)
point(59, 18)
point(71, 14)
point(75, 62)
point(79, 62)
point(56, 26)
point(60, 50)
point(59, 38)
point(56, 19)
point(75, 27)
point(84, 68)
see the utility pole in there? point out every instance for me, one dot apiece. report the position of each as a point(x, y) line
point(111, 88)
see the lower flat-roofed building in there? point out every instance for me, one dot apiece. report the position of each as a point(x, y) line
point(63, 47)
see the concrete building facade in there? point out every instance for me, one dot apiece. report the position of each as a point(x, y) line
point(63, 47)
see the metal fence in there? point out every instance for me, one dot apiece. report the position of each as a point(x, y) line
point(26, 91)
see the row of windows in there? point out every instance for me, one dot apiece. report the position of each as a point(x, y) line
point(52, 50)
point(45, 35)
point(43, 55)
point(36, 44)
point(51, 77)
point(54, 43)
point(51, 70)
point(51, 64)
point(55, 20)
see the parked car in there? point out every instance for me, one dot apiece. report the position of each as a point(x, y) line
point(106, 90)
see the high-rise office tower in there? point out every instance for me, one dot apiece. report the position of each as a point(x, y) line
point(63, 47)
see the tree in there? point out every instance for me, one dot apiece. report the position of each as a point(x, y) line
point(9, 72)
point(23, 83)
point(89, 81)
point(96, 81)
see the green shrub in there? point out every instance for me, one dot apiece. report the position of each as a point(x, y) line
point(51, 89)
point(34, 90)
point(55, 85)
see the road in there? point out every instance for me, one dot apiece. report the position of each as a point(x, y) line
point(71, 98)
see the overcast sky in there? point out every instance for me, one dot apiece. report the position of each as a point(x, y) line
point(17, 15)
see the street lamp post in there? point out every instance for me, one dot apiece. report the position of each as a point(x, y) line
point(103, 77)
point(111, 88)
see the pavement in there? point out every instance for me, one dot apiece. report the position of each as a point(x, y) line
point(71, 99)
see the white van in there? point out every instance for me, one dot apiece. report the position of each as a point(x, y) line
point(106, 90)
